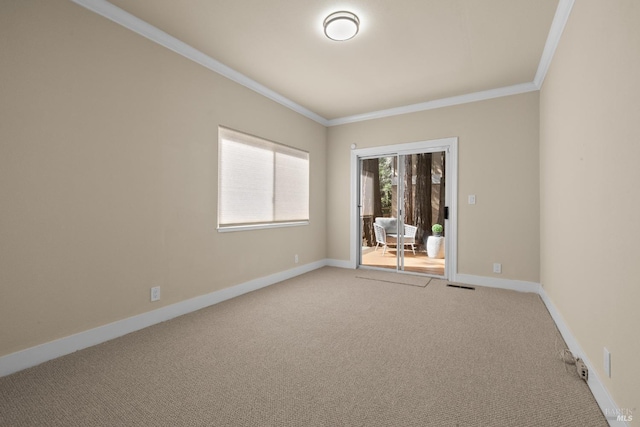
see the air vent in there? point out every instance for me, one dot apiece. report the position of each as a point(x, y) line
point(451, 285)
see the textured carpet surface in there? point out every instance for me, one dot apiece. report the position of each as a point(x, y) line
point(401, 279)
point(323, 349)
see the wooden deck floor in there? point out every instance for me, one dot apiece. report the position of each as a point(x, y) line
point(419, 263)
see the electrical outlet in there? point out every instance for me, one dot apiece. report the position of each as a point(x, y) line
point(155, 293)
point(296, 259)
point(583, 372)
point(607, 362)
point(497, 267)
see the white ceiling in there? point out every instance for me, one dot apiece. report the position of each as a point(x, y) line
point(407, 51)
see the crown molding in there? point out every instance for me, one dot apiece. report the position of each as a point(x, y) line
point(438, 103)
point(137, 25)
point(553, 39)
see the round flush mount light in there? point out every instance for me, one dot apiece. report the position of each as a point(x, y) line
point(341, 26)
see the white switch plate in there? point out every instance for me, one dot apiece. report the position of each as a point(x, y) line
point(472, 199)
point(155, 293)
point(497, 267)
point(296, 259)
point(607, 362)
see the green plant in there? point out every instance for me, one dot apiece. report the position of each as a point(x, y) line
point(384, 169)
point(437, 229)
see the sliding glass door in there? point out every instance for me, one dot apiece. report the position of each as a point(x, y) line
point(402, 197)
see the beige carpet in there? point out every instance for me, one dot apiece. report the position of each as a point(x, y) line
point(323, 349)
point(388, 277)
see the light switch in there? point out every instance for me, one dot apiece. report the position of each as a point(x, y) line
point(472, 199)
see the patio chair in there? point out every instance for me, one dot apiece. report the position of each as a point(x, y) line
point(381, 237)
point(410, 236)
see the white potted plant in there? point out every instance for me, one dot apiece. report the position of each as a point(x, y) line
point(435, 243)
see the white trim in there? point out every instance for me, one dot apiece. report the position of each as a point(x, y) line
point(33, 356)
point(340, 264)
point(137, 25)
point(451, 186)
point(249, 227)
point(494, 282)
point(599, 391)
point(406, 147)
point(553, 39)
point(450, 145)
point(438, 103)
point(29, 357)
point(353, 209)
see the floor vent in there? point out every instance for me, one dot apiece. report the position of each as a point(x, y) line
point(451, 285)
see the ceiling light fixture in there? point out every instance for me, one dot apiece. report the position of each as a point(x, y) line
point(341, 26)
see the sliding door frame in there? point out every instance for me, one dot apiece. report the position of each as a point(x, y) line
point(450, 146)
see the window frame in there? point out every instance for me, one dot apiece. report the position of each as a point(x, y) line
point(221, 228)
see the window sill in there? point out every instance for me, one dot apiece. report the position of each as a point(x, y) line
point(232, 228)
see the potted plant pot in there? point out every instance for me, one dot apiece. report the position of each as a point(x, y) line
point(435, 243)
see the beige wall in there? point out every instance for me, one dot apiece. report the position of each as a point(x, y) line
point(498, 162)
point(108, 175)
point(589, 180)
point(108, 179)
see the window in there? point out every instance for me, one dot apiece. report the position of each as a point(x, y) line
point(260, 183)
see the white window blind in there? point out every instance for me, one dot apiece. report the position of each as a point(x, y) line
point(260, 182)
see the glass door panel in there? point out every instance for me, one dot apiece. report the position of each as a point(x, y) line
point(423, 206)
point(401, 198)
point(377, 212)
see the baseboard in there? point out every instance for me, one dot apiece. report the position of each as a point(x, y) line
point(339, 263)
point(41, 353)
point(33, 356)
point(494, 282)
point(599, 391)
